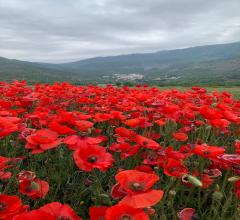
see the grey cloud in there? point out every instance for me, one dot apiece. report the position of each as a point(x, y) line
point(59, 31)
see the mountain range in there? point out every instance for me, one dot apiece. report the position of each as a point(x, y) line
point(218, 63)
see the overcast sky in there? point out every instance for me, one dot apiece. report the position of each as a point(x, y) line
point(67, 30)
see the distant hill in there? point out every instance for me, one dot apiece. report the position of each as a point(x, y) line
point(32, 72)
point(204, 64)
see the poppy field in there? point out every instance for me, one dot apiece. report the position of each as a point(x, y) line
point(118, 153)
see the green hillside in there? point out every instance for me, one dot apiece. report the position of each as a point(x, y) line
point(205, 64)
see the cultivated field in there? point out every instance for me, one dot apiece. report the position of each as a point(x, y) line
point(235, 90)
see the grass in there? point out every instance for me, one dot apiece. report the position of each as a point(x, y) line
point(68, 183)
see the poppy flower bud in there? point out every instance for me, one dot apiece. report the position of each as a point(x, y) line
point(214, 104)
point(88, 182)
point(172, 192)
point(199, 141)
point(188, 214)
point(213, 173)
point(217, 195)
point(90, 130)
point(150, 211)
point(238, 210)
point(217, 187)
point(234, 178)
point(172, 179)
point(209, 127)
point(192, 179)
point(105, 199)
point(104, 195)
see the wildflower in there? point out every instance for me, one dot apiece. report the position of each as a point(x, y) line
point(93, 156)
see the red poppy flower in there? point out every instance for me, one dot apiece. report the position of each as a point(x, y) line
point(187, 214)
point(137, 184)
point(141, 122)
point(125, 133)
point(231, 116)
point(117, 115)
point(133, 122)
point(210, 113)
point(81, 116)
point(178, 155)
point(60, 211)
point(128, 179)
point(154, 158)
point(208, 151)
point(144, 168)
point(26, 175)
point(26, 132)
point(219, 123)
point(198, 89)
point(34, 189)
point(6, 163)
point(42, 140)
point(74, 142)
point(144, 199)
point(179, 136)
point(97, 212)
point(123, 212)
point(213, 173)
point(35, 215)
point(93, 156)
point(146, 142)
point(61, 129)
point(8, 125)
point(83, 125)
point(161, 122)
point(174, 168)
point(199, 123)
point(206, 181)
point(170, 109)
point(237, 146)
point(118, 192)
point(102, 117)
point(231, 159)
point(125, 149)
point(3, 166)
point(9, 205)
point(5, 175)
